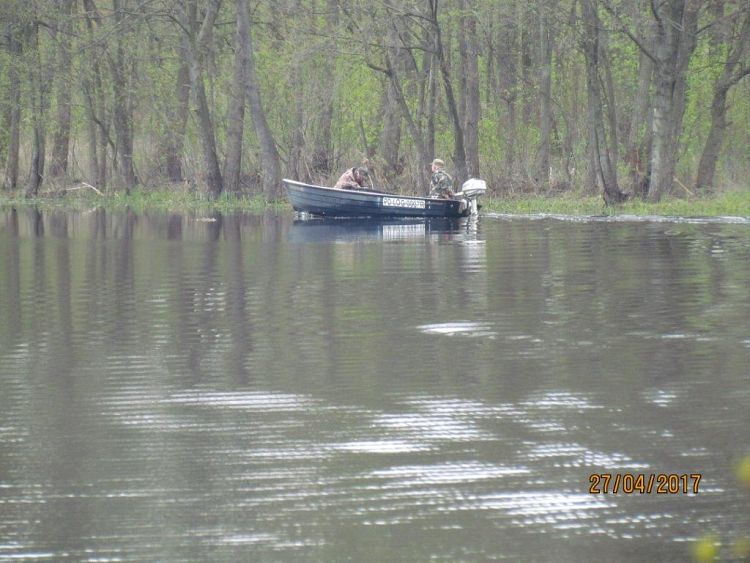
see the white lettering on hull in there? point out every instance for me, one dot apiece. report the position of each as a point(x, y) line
point(403, 202)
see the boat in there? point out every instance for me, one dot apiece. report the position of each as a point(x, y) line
point(334, 202)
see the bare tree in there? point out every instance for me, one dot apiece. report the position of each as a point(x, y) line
point(236, 115)
point(197, 38)
point(390, 139)
point(735, 69)
point(508, 82)
point(40, 73)
point(471, 92)
point(269, 156)
point(605, 171)
point(14, 32)
point(545, 90)
point(638, 139)
point(322, 156)
point(96, 104)
point(676, 26)
point(61, 139)
point(459, 152)
point(395, 42)
point(123, 101)
point(177, 111)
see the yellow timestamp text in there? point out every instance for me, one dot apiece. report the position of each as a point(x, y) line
point(644, 483)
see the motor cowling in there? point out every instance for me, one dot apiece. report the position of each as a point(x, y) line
point(470, 191)
point(473, 188)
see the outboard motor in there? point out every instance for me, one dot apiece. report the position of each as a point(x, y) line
point(470, 192)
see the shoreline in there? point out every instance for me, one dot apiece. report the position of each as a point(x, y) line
point(727, 204)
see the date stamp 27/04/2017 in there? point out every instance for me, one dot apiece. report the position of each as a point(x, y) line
point(644, 483)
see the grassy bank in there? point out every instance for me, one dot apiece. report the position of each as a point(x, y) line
point(151, 200)
point(730, 203)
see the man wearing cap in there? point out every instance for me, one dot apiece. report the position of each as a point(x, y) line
point(441, 183)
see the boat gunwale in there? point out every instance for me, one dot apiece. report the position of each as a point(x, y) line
point(367, 192)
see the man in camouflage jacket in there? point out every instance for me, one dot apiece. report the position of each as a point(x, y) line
point(441, 183)
point(352, 179)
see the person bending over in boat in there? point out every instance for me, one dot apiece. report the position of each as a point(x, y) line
point(441, 183)
point(353, 179)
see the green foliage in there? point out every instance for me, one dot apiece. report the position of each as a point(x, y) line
point(358, 98)
point(305, 56)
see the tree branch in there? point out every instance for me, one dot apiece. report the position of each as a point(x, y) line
point(627, 32)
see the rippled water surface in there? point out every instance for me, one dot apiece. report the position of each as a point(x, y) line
point(177, 387)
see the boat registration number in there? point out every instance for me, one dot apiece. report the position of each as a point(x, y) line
point(403, 202)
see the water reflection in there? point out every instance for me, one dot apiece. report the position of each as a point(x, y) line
point(100, 224)
point(326, 230)
point(211, 386)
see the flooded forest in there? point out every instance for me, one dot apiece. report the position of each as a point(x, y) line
point(621, 98)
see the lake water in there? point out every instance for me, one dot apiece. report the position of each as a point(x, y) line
point(225, 388)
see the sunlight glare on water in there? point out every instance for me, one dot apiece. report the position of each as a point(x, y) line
point(256, 387)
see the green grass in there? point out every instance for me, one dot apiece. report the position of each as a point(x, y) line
point(152, 200)
point(730, 203)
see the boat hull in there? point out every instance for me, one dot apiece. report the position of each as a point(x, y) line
point(332, 202)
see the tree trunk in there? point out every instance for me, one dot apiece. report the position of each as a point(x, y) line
point(390, 140)
point(508, 84)
point(36, 174)
point(297, 165)
point(545, 90)
point(92, 131)
point(710, 154)
point(605, 171)
point(461, 31)
point(38, 116)
point(611, 100)
point(104, 125)
point(685, 47)
point(322, 157)
point(674, 46)
point(123, 119)
point(422, 156)
point(459, 153)
point(97, 102)
point(637, 161)
point(471, 118)
point(176, 130)
point(661, 179)
point(399, 63)
point(733, 72)
point(269, 156)
point(61, 141)
point(719, 28)
point(432, 87)
point(527, 61)
point(214, 185)
point(14, 46)
point(571, 103)
point(236, 116)
point(195, 52)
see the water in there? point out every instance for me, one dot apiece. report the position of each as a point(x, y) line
point(253, 388)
